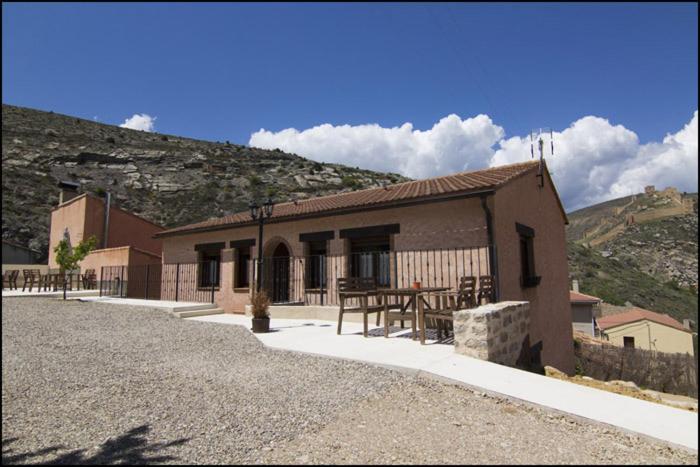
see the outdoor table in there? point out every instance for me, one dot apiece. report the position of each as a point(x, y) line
point(412, 294)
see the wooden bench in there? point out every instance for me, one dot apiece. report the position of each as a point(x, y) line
point(89, 279)
point(10, 278)
point(31, 276)
point(359, 289)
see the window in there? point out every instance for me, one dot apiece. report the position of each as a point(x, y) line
point(242, 267)
point(209, 264)
point(528, 278)
point(628, 341)
point(369, 257)
point(316, 265)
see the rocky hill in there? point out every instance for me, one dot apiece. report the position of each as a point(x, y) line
point(167, 179)
point(641, 249)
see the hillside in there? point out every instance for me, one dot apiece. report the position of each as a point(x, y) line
point(167, 179)
point(618, 280)
point(641, 249)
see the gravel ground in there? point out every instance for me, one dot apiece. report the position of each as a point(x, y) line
point(98, 383)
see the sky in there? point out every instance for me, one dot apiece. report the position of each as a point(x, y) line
point(420, 89)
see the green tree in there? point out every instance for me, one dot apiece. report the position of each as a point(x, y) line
point(69, 260)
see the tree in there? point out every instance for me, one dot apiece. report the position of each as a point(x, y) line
point(69, 260)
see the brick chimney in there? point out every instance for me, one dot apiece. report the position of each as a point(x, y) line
point(69, 190)
point(574, 285)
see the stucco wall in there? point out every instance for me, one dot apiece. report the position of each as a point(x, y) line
point(582, 318)
point(118, 256)
point(105, 257)
point(652, 336)
point(524, 201)
point(128, 229)
point(70, 214)
point(84, 216)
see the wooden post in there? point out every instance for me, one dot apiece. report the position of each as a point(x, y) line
point(177, 281)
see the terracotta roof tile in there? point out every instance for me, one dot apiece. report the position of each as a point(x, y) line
point(581, 297)
point(463, 182)
point(638, 314)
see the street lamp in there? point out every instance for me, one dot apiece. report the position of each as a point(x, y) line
point(260, 214)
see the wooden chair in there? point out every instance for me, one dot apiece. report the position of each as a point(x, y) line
point(359, 289)
point(467, 292)
point(31, 276)
point(56, 281)
point(89, 279)
point(10, 279)
point(443, 304)
point(389, 316)
point(486, 290)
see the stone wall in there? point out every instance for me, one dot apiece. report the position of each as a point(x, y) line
point(494, 332)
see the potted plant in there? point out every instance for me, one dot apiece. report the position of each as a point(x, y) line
point(261, 317)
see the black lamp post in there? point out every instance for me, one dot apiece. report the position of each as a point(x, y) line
point(260, 214)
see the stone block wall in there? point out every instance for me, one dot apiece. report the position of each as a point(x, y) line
point(493, 332)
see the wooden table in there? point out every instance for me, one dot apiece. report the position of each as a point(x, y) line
point(402, 308)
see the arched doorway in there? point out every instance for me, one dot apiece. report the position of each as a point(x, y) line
point(278, 279)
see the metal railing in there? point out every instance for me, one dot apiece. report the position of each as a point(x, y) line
point(184, 282)
point(303, 280)
point(312, 280)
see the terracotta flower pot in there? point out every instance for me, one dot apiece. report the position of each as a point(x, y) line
point(261, 325)
point(416, 285)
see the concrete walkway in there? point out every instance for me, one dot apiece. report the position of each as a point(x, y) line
point(676, 426)
point(50, 293)
point(167, 305)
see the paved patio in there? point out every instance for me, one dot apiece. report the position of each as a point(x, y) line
point(676, 426)
point(49, 293)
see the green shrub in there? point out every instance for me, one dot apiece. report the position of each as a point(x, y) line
point(70, 260)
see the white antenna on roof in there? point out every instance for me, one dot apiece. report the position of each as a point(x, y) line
point(539, 136)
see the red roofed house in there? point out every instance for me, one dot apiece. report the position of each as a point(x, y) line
point(584, 311)
point(644, 329)
point(507, 222)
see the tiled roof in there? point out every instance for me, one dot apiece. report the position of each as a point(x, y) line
point(463, 182)
point(638, 314)
point(576, 297)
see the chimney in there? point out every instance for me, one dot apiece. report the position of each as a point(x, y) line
point(574, 285)
point(688, 324)
point(69, 190)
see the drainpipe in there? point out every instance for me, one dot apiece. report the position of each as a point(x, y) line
point(493, 264)
point(108, 199)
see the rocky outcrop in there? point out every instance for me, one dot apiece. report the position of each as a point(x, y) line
point(167, 179)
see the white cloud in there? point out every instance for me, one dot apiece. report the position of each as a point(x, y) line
point(141, 122)
point(594, 159)
point(452, 144)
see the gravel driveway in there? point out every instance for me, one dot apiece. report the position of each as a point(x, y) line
point(100, 383)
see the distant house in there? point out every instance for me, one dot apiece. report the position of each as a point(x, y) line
point(584, 311)
point(644, 329)
point(123, 238)
point(12, 253)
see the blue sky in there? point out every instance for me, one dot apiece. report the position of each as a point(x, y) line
point(224, 71)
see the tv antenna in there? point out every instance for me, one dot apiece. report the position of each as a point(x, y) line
point(537, 139)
